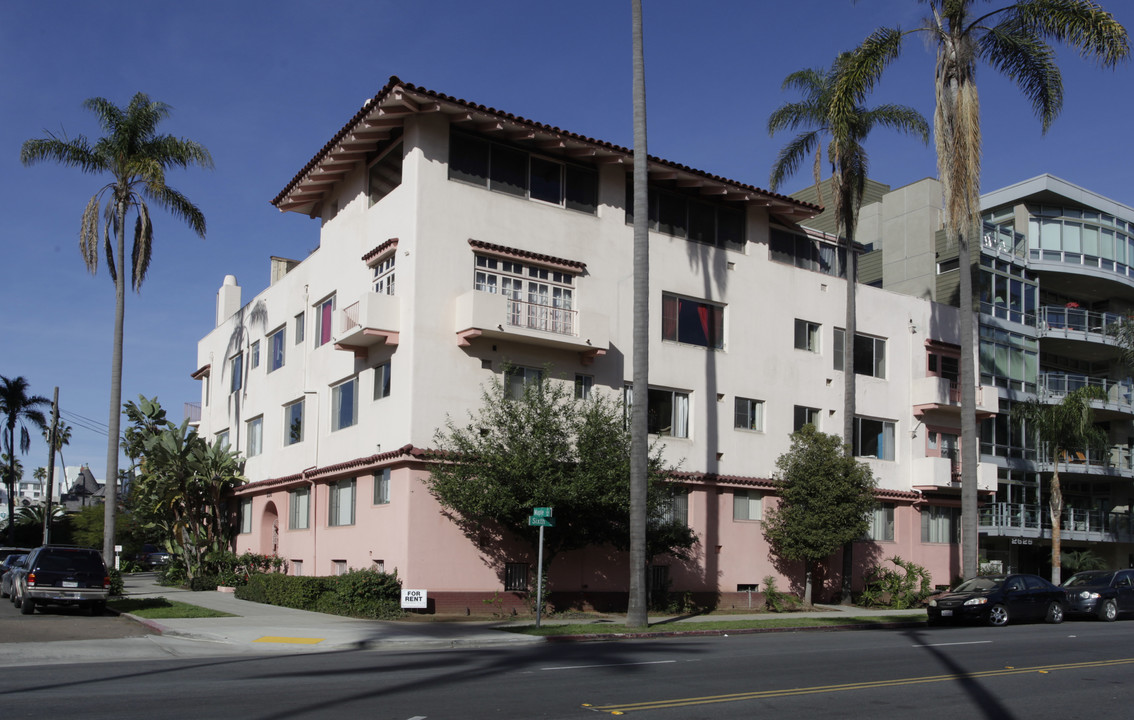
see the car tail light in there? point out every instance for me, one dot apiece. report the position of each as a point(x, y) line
point(31, 578)
point(106, 582)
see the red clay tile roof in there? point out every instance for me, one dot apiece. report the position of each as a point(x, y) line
point(533, 256)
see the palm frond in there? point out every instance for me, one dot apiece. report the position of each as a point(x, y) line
point(72, 153)
point(1081, 24)
point(791, 156)
point(1029, 62)
point(108, 247)
point(88, 233)
point(179, 206)
point(143, 246)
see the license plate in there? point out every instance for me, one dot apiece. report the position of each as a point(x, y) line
point(946, 613)
point(68, 583)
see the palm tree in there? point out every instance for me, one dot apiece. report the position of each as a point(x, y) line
point(19, 410)
point(136, 157)
point(1013, 40)
point(846, 127)
point(637, 615)
point(1066, 426)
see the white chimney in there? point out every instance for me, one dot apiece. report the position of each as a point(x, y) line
point(228, 299)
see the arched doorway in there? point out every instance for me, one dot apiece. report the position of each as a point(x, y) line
point(270, 530)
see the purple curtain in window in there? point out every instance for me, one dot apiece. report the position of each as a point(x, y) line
point(325, 323)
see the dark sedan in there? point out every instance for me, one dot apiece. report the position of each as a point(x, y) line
point(997, 599)
point(1102, 593)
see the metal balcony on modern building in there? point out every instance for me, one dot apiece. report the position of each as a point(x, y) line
point(494, 315)
point(373, 320)
point(1117, 395)
point(1072, 323)
point(1023, 520)
point(936, 474)
point(1114, 461)
point(938, 393)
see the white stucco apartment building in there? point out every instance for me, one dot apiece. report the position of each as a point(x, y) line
point(456, 240)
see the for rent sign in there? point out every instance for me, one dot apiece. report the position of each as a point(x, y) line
point(414, 600)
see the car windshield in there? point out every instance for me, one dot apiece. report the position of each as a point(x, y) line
point(1088, 578)
point(980, 584)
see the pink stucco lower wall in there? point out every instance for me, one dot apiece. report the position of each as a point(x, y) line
point(413, 536)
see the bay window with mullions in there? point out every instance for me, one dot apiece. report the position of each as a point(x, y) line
point(692, 322)
point(539, 298)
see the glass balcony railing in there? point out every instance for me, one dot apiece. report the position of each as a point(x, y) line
point(1106, 525)
point(1115, 392)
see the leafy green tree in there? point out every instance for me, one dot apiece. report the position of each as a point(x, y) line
point(40, 473)
point(825, 499)
point(548, 449)
point(1068, 425)
point(1013, 40)
point(136, 157)
point(86, 526)
point(1078, 560)
point(19, 410)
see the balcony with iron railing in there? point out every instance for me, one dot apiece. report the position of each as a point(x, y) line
point(372, 320)
point(1117, 395)
point(1072, 323)
point(494, 315)
point(939, 393)
point(1025, 520)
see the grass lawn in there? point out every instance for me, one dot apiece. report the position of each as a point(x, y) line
point(158, 608)
point(601, 628)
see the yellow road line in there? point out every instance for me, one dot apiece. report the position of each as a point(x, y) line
point(785, 692)
point(289, 640)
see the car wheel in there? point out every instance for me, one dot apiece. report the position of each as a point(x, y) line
point(27, 606)
point(1054, 612)
point(1108, 611)
point(998, 615)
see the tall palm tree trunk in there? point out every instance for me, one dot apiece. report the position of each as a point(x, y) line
point(10, 481)
point(970, 531)
point(1055, 503)
point(110, 483)
point(637, 615)
point(850, 380)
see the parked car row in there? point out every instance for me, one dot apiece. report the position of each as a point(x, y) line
point(999, 599)
point(56, 575)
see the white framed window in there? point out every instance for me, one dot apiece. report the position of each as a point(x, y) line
point(539, 298)
point(667, 414)
point(276, 349)
point(748, 414)
point(382, 381)
point(340, 503)
point(324, 321)
point(245, 515)
point(869, 354)
point(940, 524)
point(293, 422)
point(803, 415)
point(384, 276)
point(255, 436)
point(382, 487)
point(299, 328)
point(236, 370)
point(676, 508)
point(340, 567)
point(299, 508)
point(583, 386)
point(222, 439)
point(881, 523)
point(806, 335)
point(517, 378)
point(747, 505)
point(692, 322)
point(256, 354)
point(873, 438)
point(344, 404)
point(297, 568)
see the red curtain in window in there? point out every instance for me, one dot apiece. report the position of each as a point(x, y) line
point(669, 317)
point(325, 324)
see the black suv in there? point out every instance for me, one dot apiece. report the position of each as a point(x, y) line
point(60, 575)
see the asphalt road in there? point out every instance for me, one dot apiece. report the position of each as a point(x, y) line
point(1025, 671)
point(52, 624)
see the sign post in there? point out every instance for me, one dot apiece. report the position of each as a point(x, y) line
point(540, 516)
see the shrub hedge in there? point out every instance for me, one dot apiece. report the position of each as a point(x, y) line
point(358, 593)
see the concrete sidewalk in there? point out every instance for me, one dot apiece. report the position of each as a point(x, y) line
point(270, 629)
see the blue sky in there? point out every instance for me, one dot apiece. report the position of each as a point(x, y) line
point(263, 85)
